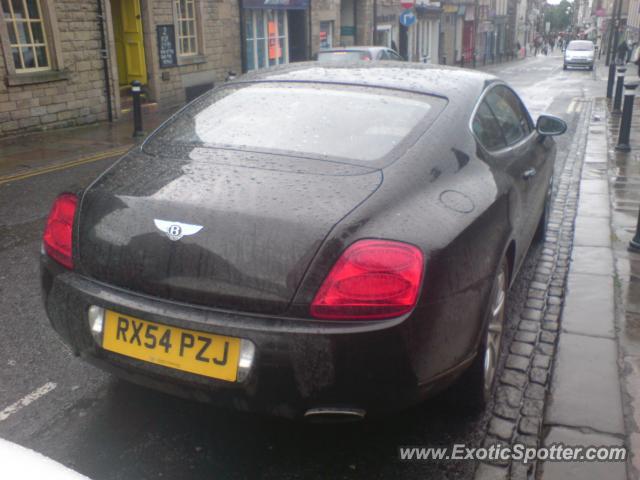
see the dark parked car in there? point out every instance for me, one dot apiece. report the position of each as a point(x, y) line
point(308, 241)
point(354, 54)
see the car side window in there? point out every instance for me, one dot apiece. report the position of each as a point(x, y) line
point(510, 113)
point(382, 55)
point(487, 129)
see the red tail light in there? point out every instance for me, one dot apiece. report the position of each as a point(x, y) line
point(58, 233)
point(373, 279)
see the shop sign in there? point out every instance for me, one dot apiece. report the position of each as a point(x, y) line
point(277, 4)
point(447, 8)
point(167, 46)
point(347, 31)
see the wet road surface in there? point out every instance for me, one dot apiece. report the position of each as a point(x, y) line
point(108, 429)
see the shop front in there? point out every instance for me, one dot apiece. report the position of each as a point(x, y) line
point(468, 35)
point(274, 32)
point(425, 34)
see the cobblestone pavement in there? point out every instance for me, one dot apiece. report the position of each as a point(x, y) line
point(520, 396)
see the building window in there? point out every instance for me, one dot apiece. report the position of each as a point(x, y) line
point(326, 35)
point(266, 38)
point(27, 39)
point(384, 36)
point(187, 28)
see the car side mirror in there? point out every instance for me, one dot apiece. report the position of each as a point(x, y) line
point(550, 126)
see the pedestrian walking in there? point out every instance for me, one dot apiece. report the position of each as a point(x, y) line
point(622, 51)
point(635, 57)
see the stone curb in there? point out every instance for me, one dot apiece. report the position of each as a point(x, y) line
point(521, 392)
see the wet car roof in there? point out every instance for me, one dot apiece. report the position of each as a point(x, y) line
point(456, 84)
point(359, 48)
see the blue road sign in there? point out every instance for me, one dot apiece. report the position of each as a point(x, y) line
point(407, 18)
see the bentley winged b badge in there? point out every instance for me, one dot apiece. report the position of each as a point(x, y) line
point(176, 230)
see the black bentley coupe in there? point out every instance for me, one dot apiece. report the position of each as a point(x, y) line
point(309, 241)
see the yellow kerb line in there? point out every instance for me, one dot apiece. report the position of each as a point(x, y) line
point(63, 166)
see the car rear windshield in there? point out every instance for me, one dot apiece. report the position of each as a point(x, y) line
point(580, 46)
point(317, 120)
point(343, 57)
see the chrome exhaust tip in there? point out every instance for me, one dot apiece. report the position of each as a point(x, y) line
point(334, 414)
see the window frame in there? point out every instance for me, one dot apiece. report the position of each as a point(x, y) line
point(52, 40)
point(262, 42)
point(199, 55)
point(521, 141)
point(330, 33)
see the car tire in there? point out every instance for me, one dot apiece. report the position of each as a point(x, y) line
point(541, 230)
point(475, 387)
point(564, 67)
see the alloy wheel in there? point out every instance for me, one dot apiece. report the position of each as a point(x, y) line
point(493, 338)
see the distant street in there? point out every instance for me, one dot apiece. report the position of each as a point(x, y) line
point(108, 429)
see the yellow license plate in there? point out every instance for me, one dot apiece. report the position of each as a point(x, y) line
point(201, 353)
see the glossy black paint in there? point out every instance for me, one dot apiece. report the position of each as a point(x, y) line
point(257, 268)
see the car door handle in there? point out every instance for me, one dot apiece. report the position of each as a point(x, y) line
point(529, 173)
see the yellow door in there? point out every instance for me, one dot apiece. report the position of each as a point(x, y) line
point(127, 29)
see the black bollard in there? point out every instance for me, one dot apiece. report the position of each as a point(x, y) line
point(634, 244)
point(627, 112)
point(617, 99)
point(611, 79)
point(136, 91)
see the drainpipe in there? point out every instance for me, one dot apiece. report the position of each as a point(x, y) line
point(105, 58)
point(310, 35)
point(243, 46)
point(375, 22)
point(355, 23)
point(612, 28)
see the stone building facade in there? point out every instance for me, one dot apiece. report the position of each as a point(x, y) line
point(71, 62)
point(53, 72)
point(55, 79)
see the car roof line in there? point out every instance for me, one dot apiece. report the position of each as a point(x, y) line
point(325, 82)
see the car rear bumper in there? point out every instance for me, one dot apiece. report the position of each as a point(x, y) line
point(299, 365)
point(579, 63)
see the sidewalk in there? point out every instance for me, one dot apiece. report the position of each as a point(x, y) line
point(594, 396)
point(45, 151)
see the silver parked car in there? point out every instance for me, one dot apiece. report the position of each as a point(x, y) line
point(579, 53)
point(356, 53)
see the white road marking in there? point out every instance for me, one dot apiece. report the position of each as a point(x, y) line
point(26, 400)
point(571, 106)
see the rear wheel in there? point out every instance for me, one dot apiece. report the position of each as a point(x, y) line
point(541, 231)
point(477, 383)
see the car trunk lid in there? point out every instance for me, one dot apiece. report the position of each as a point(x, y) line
point(221, 228)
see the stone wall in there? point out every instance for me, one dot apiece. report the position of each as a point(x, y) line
point(80, 97)
point(220, 49)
